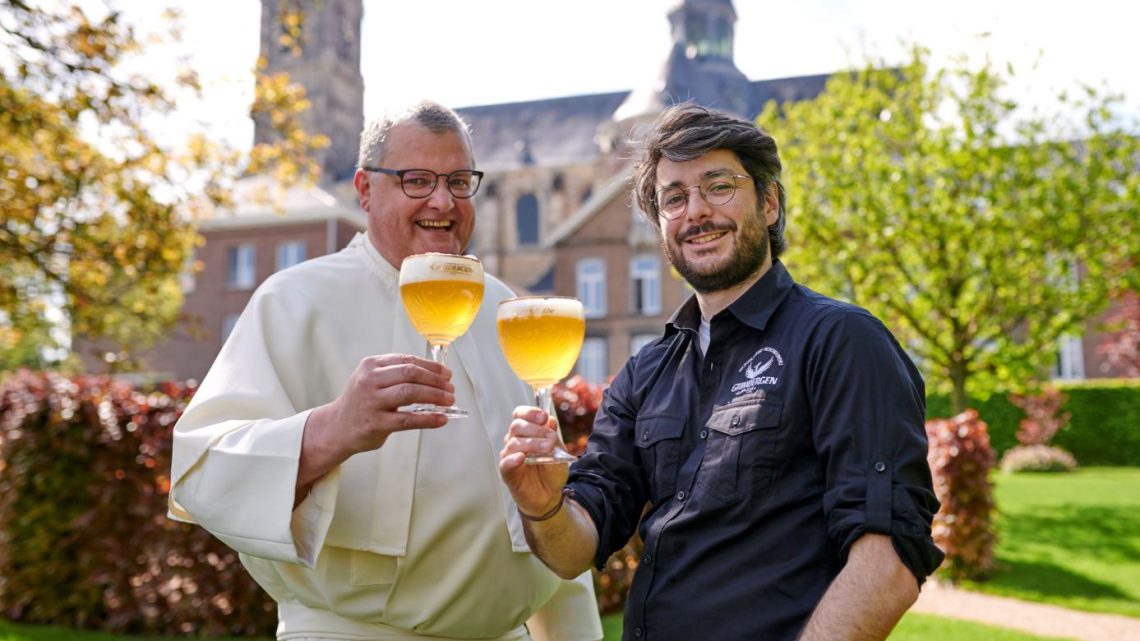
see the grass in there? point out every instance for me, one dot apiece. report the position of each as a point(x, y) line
point(913, 627)
point(18, 632)
point(1067, 539)
point(1071, 540)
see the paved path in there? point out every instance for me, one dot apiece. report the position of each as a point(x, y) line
point(1037, 618)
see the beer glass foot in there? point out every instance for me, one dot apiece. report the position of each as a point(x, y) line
point(427, 408)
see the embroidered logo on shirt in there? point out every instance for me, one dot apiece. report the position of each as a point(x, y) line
point(754, 368)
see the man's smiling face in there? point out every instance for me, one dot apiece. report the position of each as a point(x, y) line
point(399, 226)
point(716, 246)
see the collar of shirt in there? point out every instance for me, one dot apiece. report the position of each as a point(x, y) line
point(753, 308)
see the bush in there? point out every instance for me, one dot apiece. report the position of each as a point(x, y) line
point(1104, 428)
point(84, 540)
point(960, 460)
point(1037, 458)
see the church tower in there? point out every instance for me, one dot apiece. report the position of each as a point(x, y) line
point(698, 68)
point(328, 66)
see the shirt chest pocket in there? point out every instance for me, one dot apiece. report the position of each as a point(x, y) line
point(659, 445)
point(740, 455)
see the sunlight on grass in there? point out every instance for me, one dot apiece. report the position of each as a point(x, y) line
point(1069, 539)
point(924, 627)
point(913, 627)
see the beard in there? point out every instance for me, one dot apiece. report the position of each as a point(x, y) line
point(750, 249)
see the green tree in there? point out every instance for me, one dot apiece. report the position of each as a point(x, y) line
point(98, 215)
point(957, 215)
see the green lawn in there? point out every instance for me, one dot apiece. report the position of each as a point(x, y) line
point(15, 632)
point(1069, 539)
point(913, 627)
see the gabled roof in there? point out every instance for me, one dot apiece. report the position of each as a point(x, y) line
point(545, 133)
point(615, 187)
point(556, 132)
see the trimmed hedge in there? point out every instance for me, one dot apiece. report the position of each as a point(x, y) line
point(1104, 428)
point(84, 538)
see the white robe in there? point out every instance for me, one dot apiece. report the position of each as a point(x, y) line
point(418, 539)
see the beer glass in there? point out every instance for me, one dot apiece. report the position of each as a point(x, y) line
point(541, 337)
point(441, 293)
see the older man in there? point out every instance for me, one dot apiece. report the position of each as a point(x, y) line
point(361, 520)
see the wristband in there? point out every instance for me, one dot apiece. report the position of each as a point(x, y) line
point(549, 515)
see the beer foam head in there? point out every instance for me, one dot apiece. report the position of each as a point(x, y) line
point(424, 267)
point(541, 306)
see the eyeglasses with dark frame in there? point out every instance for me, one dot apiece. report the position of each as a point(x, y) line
point(421, 183)
point(717, 189)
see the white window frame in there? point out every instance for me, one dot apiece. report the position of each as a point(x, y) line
point(592, 364)
point(241, 270)
point(289, 253)
point(590, 279)
point(645, 285)
point(1070, 359)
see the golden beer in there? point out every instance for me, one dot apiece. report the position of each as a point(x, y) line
point(541, 337)
point(442, 294)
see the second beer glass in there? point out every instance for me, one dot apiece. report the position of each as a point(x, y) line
point(442, 294)
point(541, 337)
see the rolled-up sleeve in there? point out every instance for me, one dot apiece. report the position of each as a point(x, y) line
point(869, 431)
point(607, 480)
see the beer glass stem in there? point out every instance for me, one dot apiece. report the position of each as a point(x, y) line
point(543, 401)
point(438, 352)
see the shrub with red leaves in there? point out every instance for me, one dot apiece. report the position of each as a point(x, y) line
point(84, 538)
point(576, 401)
point(1043, 418)
point(1043, 415)
point(960, 460)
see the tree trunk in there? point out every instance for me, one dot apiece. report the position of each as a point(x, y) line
point(958, 401)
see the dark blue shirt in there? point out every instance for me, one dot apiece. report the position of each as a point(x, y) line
point(750, 470)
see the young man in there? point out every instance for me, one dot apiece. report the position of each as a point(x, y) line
point(769, 447)
point(362, 521)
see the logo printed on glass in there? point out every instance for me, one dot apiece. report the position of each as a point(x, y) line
point(758, 370)
point(452, 268)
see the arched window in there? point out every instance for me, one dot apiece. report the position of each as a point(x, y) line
point(526, 220)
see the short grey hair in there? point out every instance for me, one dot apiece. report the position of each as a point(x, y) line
point(688, 131)
point(432, 116)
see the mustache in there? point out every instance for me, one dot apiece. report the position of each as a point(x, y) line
point(707, 227)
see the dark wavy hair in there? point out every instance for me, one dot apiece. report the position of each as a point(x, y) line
point(688, 131)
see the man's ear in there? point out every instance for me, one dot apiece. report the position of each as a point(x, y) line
point(363, 187)
point(771, 204)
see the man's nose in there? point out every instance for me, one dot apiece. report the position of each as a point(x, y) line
point(697, 207)
point(441, 198)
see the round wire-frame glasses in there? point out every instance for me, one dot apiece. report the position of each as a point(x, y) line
point(717, 189)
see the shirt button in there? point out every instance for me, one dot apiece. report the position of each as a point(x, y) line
point(880, 466)
point(704, 433)
point(735, 421)
point(712, 366)
point(645, 436)
point(647, 559)
point(638, 631)
point(681, 495)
